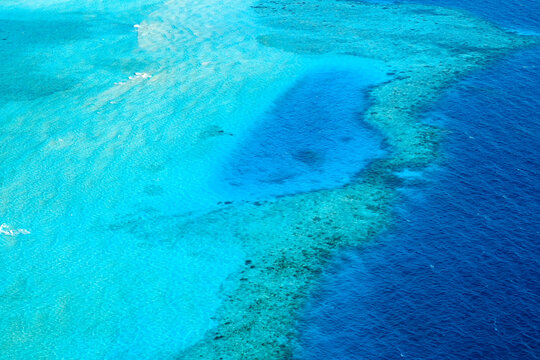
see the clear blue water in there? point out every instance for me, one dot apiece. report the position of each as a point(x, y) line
point(521, 16)
point(312, 138)
point(48, 43)
point(116, 121)
point(119, 117)
point(457, 276)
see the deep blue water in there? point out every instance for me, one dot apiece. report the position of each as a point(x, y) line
point(458, 276)
point(312, 138)
point(519, 15)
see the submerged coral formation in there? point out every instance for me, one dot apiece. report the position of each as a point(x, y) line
point(128, 248)
point(426, 50)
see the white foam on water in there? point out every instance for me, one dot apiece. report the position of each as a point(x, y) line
point(8, 230)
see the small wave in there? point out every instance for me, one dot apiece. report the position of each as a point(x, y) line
point(5, 229)
point(140, 75)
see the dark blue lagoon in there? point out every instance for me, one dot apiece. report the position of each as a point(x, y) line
point(312, 138)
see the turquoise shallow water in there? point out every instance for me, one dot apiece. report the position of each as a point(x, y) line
point(118, 121)
point(58, 44)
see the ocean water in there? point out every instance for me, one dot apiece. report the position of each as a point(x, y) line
point(313, 138)
point(456, 277)
point(121, 119)
point(142, 139)
point(521, 16)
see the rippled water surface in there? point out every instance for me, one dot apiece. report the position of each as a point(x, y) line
point(457, 277)
point(313, 138)
point(124, 121)
point(117, 121)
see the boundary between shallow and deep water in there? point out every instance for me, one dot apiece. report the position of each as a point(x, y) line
point(257, 318)
point(428, 49)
